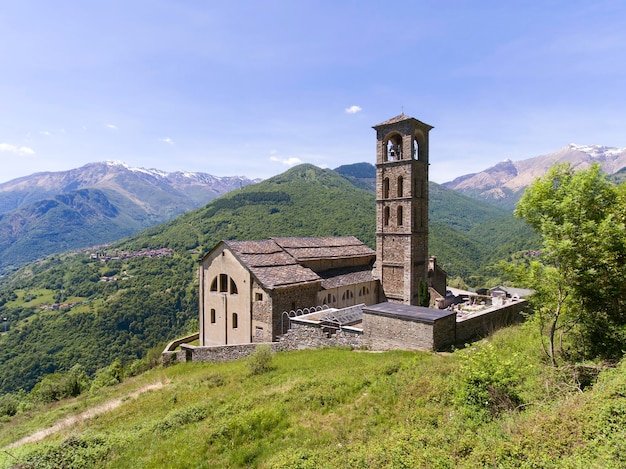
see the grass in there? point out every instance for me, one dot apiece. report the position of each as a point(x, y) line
point(339, 408)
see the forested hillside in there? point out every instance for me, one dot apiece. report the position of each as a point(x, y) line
point(53, 212)
point(79, 308)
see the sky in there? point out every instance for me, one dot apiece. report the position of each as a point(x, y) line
point(253, 87)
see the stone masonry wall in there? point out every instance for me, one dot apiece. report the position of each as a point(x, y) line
point(297, 338)
point(385, 333)
point(484, 324)
point(301, 337)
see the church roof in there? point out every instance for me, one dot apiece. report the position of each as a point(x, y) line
point(270, 264)
point(275, 262)
point(332, 247)
point(400, 118)
point(341, 277)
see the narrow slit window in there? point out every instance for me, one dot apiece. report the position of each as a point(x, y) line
point(235, 321)
point(212, 316)
point(223, 283)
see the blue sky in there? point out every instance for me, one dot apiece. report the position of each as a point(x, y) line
point(251, 87)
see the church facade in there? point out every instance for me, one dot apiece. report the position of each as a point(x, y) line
point(247, 287)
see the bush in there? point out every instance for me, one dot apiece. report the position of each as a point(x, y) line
point(489, 384)
point(261, 360)
point(60, 385)
point(109, 376)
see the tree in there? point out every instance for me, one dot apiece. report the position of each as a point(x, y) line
point(579, 278)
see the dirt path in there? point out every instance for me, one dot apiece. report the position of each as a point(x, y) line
point(69, 421)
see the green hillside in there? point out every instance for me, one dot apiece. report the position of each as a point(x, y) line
point(60, 311)
point(495, 404)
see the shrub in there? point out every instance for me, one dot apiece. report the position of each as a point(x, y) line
point(109, 376)
point(261, 360)
point(489, 384)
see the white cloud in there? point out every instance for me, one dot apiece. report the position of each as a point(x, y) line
point(46, 133)
point(18, 150)
point(167, 140)
point(112, 126)
point(286, 161)
point(353, 109)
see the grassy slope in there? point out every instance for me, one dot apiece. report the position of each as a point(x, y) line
point(337, 408)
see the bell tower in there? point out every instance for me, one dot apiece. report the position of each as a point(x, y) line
point(401, 208)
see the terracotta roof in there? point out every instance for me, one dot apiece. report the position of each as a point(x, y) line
point(339, 277)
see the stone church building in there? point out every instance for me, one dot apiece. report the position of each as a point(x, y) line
point(247, 286)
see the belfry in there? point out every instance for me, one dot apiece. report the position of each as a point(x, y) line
point(402, 208)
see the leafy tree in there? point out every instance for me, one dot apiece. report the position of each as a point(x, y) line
point(579, 276)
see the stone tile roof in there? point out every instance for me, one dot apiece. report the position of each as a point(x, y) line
point(275, 262)
point(304, 249)
point(408, 312)
point(270, 264)
point(335, 278)
point(399, 118)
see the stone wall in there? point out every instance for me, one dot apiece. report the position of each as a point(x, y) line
point(301, 337)
point(379, 333)
point(387, 333)
point(483, 324)
point(297, 338)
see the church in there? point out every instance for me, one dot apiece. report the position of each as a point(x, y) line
point(246, 287)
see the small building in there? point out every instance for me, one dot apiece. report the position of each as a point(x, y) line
point(389, 326)
point(247, 286)
point(510, 292)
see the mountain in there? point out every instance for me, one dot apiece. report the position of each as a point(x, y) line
point(362, 175)
point(504, 183)
point(98, 203)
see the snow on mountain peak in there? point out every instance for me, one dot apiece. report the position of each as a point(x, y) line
point(597, 151)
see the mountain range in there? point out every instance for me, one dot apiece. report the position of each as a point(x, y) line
point(52, 212)
point(504, 183)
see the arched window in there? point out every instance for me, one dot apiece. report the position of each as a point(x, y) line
point(235, 321)
point(386, 216)
point(400, 188)
point(400, 216)
point(212, 316)
point(416, 150)
point(233, 287)
point(386, 188)
point(223, 283)
point(394, 148)
point(214, 284)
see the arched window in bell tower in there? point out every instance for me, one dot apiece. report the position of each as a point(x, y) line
point(386, 188)
point(416, 150)
point(400, 189)
point(400, 215)
point(386, 216)
point(394, 148)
